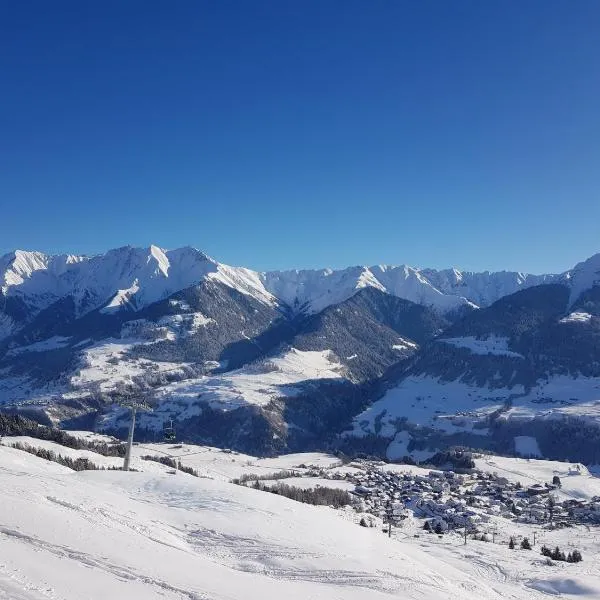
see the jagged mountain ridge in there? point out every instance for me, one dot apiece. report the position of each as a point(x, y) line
point(131, 278)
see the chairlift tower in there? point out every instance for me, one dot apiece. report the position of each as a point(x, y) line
point(134, 405)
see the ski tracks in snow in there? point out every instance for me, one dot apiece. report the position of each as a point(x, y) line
point(121, 572)
point(257, 556)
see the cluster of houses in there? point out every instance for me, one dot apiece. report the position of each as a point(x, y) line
point(449, 500)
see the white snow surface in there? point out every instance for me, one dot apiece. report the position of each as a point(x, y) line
point(225, 465)
point(448, 406)
point(310, 483)
point(405, 344)
point(105, 366)
point(577, 317)
point(484, 288)
point(526, 445)
point(576, 480)
point(398, 449)
point(151, 535)
point(491, 345)
point(314, 290)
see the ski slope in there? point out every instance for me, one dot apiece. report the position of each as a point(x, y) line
point(151, 535)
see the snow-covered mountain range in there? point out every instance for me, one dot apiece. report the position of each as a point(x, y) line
point(136, 277)
point(271, 361)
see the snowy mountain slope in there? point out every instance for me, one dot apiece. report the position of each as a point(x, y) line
point(584, 276)
point(517, 340)
point(203, 325)
point(519, 368)
point(312, 291)
point(212, 353)
point(122, 278)
point(370, 331)
point(486, 287)
point(257, 384)
point(429, 413)
point(110, 534)
point(446, 290)
point(576, 480)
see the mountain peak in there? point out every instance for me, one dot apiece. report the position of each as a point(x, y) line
point(19, 265)
point(584, 275)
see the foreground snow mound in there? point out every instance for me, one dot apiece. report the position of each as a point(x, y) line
point(140, 536)
point(557, 587)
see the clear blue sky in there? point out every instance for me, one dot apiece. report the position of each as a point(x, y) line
point(298, 134)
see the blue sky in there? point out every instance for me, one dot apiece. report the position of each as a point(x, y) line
point(300, 134)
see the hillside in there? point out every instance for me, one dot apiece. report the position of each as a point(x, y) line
point(151, 534)
point(528, 365)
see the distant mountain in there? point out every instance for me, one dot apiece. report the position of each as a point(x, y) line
point(131, 278)
point(405, 360)
point(122, 279)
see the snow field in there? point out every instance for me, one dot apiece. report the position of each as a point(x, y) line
point(106, 365)
point(577, 482)
point(101, 534)
point(527, 446)
point(111, 534)
point(256, 383)
point(452, 406)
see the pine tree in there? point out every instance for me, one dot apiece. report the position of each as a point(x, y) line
point(438, 528)
point(525, 544)
point(576, 556)
point(427, 526)
point(550, 505)
point(511, 543)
